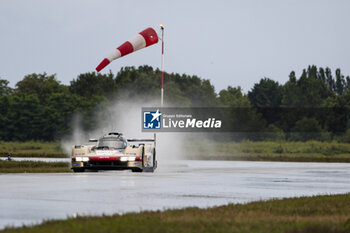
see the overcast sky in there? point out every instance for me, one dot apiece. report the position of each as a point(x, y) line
point(229, 42)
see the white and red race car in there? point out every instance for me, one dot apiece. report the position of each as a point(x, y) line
point(114, 152)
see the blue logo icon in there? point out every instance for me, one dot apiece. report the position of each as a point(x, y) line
point(152, 120)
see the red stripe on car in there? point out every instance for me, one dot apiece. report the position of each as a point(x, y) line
point(113, 158)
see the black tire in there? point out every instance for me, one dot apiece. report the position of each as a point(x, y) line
point(154, 159)
point(78, 169)
point(136, 170)
point(152, 169)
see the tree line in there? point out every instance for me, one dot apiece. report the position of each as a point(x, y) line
point(41, 108)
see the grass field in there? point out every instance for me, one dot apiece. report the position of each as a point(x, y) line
point(311, 151)
point(33, 167)
point(32, 149)
point(319, 214)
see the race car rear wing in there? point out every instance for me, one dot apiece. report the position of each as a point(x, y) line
point(140, 140)
point(143, 140)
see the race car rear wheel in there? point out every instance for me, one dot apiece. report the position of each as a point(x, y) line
point(153, 168)
point(78, 169)
point(136, 170)
point(154, 159)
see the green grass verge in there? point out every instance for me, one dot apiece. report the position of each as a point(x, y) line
point(311, 151)
point(319, 214)
point(33, 167)
point(32, 149)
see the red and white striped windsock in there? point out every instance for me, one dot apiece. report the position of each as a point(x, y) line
point(144, 39)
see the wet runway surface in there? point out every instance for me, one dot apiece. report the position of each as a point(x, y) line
point(31, 198)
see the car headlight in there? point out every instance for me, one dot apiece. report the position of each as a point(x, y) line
point(124, 159)
point(82, 159)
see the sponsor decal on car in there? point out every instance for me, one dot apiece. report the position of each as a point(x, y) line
point(130, 153)
point(108, 152)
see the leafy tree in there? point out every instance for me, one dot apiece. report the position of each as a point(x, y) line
point(274, 133)
point(308, 91)
point(4, 88)
point(346, 136)
point(347, 84)
point(242, 117)
point(233, 97)
point(93, 84)
point(329, 79)
point(41, 108)
point(4, 121)
point(24, 116)
point(266, 96)
point(144, 83)
point(307, 129)
point(339, 83)
point(200, 91)
point(175, 96)
point(59, 111)
point(337, 116)
point(266, 93)
point(41, 85)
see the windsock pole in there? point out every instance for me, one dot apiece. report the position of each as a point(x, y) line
point(162, 68)
point(162, 81)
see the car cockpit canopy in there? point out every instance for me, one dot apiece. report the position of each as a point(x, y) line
point(112, 141)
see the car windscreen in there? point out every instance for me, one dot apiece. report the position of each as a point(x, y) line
point(111, 144)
